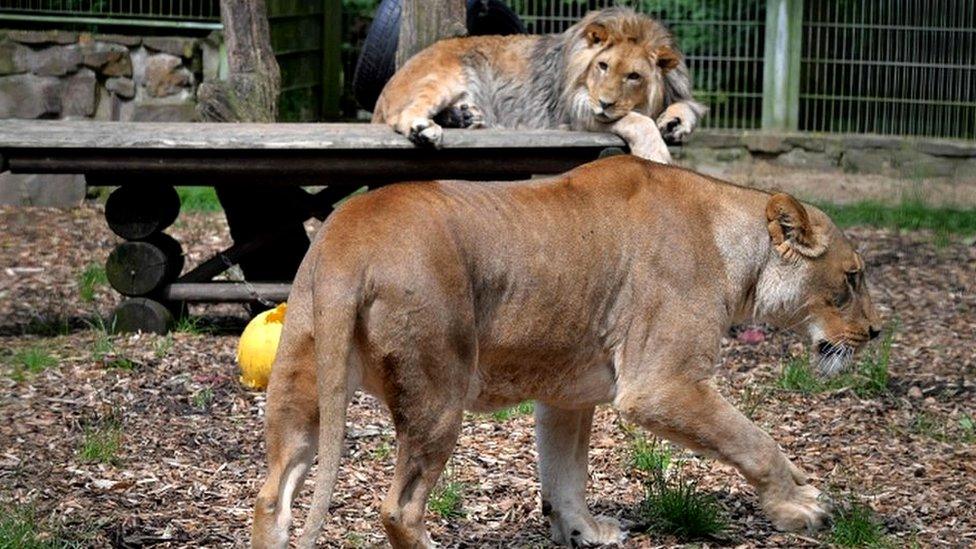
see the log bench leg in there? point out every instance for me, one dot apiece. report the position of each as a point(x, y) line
point(148, 260)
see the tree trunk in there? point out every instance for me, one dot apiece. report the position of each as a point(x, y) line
point(423, 22)
point(250, 93)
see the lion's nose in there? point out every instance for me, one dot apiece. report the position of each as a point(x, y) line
point(606, 104)
point(873, 332)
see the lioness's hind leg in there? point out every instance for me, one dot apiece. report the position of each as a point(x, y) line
point(424, 444)
point(563, 439)
point(291, 437)
point(694, 414)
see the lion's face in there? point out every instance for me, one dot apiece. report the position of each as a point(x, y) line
point(832, 299)
point(627, 73)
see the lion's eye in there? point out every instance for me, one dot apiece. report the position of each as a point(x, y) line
point(603, 66)
point(633, 76)
point(852, 278)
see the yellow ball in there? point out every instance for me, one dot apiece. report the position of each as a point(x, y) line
point(258, 345)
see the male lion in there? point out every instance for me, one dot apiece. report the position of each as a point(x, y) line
point(615, 70)
point(611, 283)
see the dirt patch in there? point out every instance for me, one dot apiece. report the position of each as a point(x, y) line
point(190, 453)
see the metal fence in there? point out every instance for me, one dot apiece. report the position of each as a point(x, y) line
point(905, 67)
point(190, 14)
point(889, 66)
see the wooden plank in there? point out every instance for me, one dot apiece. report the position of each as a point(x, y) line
point(66, 135)
point(221, 292)
point(345, 168)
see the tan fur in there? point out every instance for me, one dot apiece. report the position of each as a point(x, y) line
point(615, 70)
point(612, 283)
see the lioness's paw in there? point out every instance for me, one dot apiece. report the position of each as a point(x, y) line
point(806, 509)
point(597, 532)
point(426, 132)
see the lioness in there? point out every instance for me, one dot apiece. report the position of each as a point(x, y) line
point(615, 70)
point(611, 283)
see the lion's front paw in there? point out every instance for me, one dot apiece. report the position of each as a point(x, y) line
point(677, 122)
point(651, 149)
point(805, 508)
point(426, 132)
point(596, 532)
point(674, 130)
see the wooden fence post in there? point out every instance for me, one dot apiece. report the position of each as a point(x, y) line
point(423, 22)
point(331, 58)
point(781, 65)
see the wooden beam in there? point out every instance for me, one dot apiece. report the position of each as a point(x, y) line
point(141, 137)
point(423, 22)
point(221, 292)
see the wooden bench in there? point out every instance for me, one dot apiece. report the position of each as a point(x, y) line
point(146, 160)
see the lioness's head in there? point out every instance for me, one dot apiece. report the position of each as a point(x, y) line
point(816, 279)
point(627, 56)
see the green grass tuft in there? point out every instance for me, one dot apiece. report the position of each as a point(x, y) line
point(868, 376)
point(102, 443)
point(92, 278)
point(855, 525)
point(797, 376)
point(163, 345)
point(446, 499)
point(198, 199)
point(190, 325)
point(31, 361)
point(674, 505)
point(649, 455)
point(967, 429)
point(202, 398)
point(909, 215)
point(520, 409)
point(22, 528)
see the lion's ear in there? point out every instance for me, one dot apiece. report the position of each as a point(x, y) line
point(595, 34)
point(790, 228)
point(667, 58)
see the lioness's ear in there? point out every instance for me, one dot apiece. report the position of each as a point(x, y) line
point(667, 58)
point(595, 33)
point(791, 230)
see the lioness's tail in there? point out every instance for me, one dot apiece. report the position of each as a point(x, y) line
point(336, 308)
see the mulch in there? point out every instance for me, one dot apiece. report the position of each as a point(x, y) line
point(191, 452)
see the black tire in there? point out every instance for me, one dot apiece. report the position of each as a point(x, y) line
point(492, 17)
point(377, 60)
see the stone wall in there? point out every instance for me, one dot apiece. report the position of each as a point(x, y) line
point(71, 75)
point(838, 167)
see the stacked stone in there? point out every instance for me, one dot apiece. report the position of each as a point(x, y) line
point(56, 74)
point(62, 74)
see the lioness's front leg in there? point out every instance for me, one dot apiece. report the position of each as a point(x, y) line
point(643, 137)
point(692, 413)
point(563, 440)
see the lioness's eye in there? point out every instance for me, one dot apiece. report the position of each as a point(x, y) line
point(852, 279)
point(842, 298)
point(633, 76)
point(603, 66)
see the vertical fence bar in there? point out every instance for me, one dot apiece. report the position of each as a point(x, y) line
point(781, 70)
